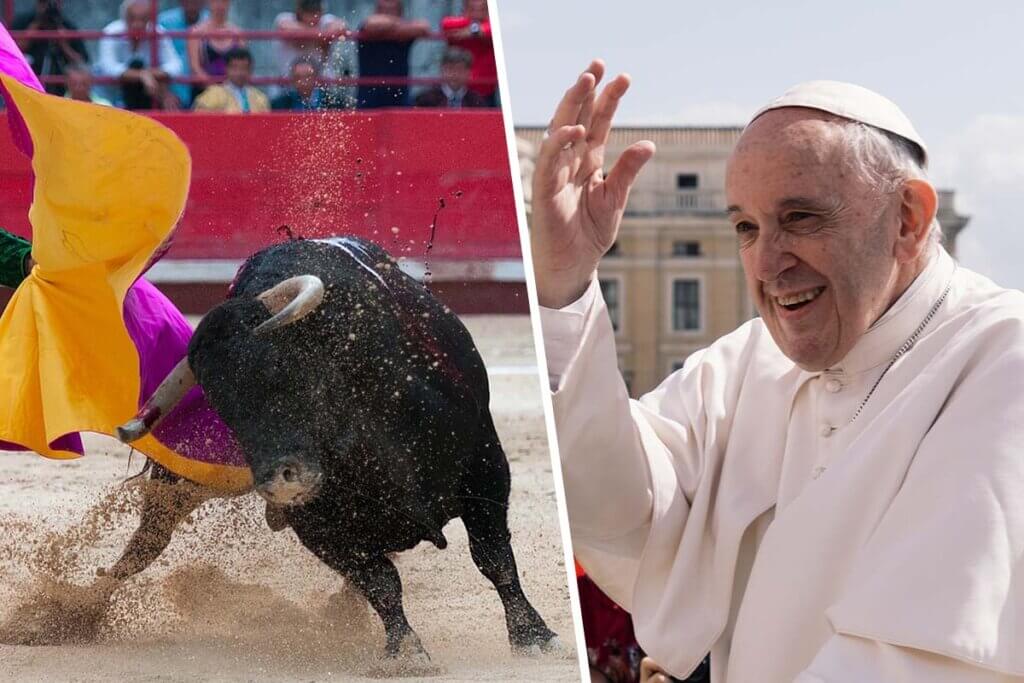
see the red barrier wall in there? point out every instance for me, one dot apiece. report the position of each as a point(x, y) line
point(332, 173)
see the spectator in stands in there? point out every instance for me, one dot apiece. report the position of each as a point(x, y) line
point(235, 95)
point(384, 42)
point(49, 57)
point(208, 56)
point(80, 86)
point(305, 94)
point(453, 91)
point(143, 85)
point(308, 15)
point(187, 14)
point(472, 31)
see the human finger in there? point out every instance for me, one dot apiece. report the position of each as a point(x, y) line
point(568, 110)
point(547, 164)
point(626, 169)
point(604, 109)
point(650, 672)
point(583, 118)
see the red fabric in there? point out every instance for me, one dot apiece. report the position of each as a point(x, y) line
point(482, 49)
point(611, 644)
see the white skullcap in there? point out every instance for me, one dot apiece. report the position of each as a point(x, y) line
point(850, 102)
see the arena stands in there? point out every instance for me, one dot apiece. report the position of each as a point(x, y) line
point(315, 166)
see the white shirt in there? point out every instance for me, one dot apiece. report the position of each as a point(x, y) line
point(737, 510)
point(115, 54)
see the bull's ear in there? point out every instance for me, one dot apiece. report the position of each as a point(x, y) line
point(290, 300)
point(164, 399)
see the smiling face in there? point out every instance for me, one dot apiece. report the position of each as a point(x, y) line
point(818, 241)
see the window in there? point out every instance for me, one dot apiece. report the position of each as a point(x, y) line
point(685, 305)
point(686, 181)
point(613, 299)
point(686, 248)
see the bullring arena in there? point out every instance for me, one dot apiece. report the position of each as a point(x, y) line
point(230, 599)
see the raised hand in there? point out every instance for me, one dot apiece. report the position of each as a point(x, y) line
point(576, 209)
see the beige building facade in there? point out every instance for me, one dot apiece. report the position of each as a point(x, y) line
point(673, 281)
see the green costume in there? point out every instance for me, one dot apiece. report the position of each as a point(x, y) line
point(13, 251)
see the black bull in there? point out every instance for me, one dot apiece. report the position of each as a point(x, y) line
point(364, 417)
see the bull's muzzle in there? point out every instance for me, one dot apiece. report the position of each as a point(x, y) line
point(289, 481)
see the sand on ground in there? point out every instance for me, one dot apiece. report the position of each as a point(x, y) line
point(230, 600)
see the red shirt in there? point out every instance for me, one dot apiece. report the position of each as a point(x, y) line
point(484, 66)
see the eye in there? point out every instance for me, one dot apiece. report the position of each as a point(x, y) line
point(797, 216)
point(745, 227)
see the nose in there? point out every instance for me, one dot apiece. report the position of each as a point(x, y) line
point(771, 256)
point(289, 481)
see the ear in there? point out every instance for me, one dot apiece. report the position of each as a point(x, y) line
point(919, 202)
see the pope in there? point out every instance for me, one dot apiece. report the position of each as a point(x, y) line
point(833, 491)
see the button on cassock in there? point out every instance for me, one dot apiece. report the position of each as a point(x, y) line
point(833, 386)
point(827, 429)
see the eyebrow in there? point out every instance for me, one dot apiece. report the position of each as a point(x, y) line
point(796, 203)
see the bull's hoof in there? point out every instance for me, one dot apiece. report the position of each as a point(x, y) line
point(407, 660)
point(400, 667)
point(410, 661)
point(551, 647)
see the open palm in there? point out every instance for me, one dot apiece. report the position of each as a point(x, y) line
point(576, 209)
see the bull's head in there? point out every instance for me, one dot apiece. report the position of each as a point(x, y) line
point(284, 479)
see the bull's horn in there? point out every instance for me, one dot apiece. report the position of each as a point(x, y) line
point(291, 300)
point(164, 399)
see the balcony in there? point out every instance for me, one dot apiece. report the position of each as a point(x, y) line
point(688, 202)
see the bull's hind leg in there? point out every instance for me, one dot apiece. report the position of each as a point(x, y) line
point(485, 514)
point(167, 499)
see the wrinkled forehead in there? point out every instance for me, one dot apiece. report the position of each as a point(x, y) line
point(788, 151)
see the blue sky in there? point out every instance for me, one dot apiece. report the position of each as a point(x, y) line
point(955, 68)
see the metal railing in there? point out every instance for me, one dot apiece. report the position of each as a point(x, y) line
point(153, 35)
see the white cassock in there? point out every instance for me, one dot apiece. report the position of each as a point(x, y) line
point(736, 508)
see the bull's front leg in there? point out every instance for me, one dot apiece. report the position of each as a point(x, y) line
point(377, 579)
point(167, 500)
